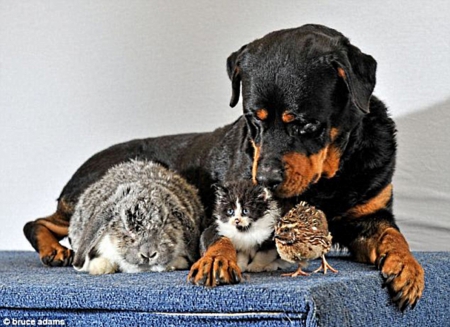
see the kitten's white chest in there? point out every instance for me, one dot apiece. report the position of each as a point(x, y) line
point(247, 240)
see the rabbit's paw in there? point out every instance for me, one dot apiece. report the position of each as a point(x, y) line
point(101, 266)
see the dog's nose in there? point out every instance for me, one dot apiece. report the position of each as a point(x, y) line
point(269, 176)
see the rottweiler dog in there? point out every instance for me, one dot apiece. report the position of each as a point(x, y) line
point(310, 130)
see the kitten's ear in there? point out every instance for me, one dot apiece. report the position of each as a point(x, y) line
point(219, 189)
point(265, 194)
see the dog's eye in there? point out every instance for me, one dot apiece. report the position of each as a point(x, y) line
point(230, 212)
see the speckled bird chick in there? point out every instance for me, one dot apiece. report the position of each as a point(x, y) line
point(302, 235)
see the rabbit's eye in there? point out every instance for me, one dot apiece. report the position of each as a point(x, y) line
point(131, 235)
point(178, 214)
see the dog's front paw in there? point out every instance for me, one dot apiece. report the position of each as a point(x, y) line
point(218, 266)
point(214, 271)
point(403, 275)
point(56, 255)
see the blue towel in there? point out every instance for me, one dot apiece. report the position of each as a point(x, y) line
point(352, 297)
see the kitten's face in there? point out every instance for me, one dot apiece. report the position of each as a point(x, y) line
point(241, 204)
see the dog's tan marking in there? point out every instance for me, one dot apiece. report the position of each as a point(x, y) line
point(341, 72)
point(374, 204)
point(50, 251)
point(257, 153)
point(332, 162)
point(44, 235)
point(300, 171)
point(388, 249)
point(333, 158)
point(262, 114)
point(287, 117)
point(55, 228)
point(334, 132)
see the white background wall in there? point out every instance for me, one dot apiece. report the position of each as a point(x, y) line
point(78, 76)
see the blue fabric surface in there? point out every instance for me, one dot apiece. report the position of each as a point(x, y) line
point(353, 297)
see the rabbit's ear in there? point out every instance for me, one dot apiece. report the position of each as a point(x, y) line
point(92, 234)
point(125, 193)
point(124, 190)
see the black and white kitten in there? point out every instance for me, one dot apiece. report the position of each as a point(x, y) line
point(246, 214)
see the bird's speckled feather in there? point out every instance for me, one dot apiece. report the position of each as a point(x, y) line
point(302, 235)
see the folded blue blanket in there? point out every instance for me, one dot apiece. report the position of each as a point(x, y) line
point(352, 297)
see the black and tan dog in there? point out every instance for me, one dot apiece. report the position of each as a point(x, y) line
point(311, 131)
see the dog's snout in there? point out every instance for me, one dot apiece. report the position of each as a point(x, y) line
point(269, 176)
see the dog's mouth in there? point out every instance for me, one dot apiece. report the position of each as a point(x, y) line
point(290, 189)
point(301, 171)
point(297, 171)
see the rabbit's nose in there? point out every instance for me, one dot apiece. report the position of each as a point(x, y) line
point(149, 256)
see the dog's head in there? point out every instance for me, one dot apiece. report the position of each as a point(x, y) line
point(303, 91)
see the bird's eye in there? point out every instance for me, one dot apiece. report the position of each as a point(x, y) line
point(230, 212)
point(245, 212)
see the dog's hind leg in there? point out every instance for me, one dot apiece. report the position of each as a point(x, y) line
point(44, 235)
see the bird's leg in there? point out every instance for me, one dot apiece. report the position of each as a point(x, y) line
point(325, 266)
point(298, 272)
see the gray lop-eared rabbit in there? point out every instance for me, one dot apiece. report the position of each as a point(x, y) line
point(139, 217)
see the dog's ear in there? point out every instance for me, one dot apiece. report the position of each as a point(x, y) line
point(234, 73)
point(358, 72)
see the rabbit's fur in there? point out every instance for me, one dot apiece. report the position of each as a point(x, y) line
point(139, 217)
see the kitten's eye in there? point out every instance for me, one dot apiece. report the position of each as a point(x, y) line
point(245, 212)
point(230, 212)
